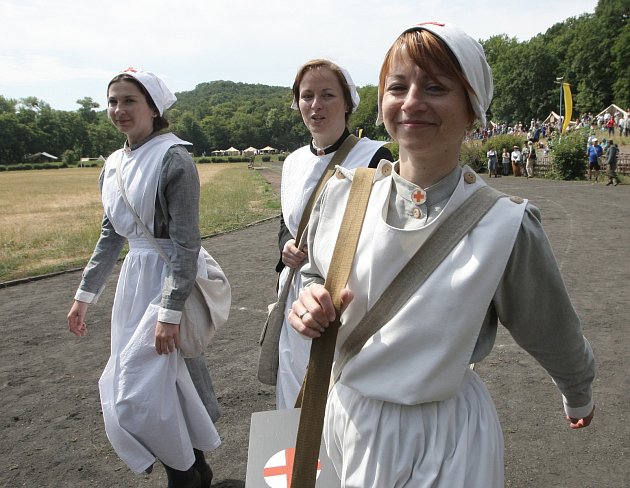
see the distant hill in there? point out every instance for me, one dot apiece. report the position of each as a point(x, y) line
point(206, 97)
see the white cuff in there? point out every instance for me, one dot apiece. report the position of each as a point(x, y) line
point(169, 316)
point(579, 412)
point(85, 296)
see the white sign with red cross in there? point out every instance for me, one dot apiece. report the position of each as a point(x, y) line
point(272, 451)
point(278, 470)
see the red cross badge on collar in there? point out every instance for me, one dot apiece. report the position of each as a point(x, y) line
point(419, 196)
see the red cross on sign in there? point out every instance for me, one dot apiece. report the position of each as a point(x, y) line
point(279, 469)
point(418, 196)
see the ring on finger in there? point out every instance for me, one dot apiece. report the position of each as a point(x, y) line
point(303, 314)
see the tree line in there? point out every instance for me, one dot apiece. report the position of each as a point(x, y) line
point(591, 52)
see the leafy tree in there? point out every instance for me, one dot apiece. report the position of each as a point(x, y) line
point(217, 133)
point(189, 129)
point(16, 137)
point(620, 52)
point(87, 109)
point(102, 139)
point(7, 105)
point(365, 116)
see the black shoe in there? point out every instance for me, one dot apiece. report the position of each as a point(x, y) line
point(183, 479)
point(205, 475)
point(202, 467)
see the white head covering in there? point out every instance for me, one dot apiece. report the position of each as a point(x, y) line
point(160, 94)
point(472, 60)
point(354, 94)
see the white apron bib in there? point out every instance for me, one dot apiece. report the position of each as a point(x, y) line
point(150, 406)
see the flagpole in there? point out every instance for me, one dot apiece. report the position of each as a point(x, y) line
point(559, 81)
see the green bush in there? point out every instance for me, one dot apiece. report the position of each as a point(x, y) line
point(47, 166)
point(282, 157)
point(507, 141)
point(20, 167)
point(204, 160)
point(70, 156)
point(238, 159)
point(474, 156)
point(568, 157)
point(3, 167)
point(266, 159)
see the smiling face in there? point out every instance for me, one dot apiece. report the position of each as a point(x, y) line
point(428, 115)
point(129, 111)
point(322, 105)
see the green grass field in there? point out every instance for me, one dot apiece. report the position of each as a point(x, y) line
point(50, 220)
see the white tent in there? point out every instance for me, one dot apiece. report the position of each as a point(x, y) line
point(268, 150)
point(250, 151)
point(613, 109)
point(552, 118)
point(40, 155)
point(232, 151)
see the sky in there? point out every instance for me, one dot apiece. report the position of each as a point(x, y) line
point(64, 50)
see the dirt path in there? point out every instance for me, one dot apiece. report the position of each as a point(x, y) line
point(52, 429)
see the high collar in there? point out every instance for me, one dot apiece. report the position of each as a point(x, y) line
point(332, 148)
point(438, 192)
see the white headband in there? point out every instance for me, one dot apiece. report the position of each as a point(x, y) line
point(472, 60)
point(354, 94)
point(160, 94)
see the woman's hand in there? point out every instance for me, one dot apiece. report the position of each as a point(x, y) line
point(166, 337)
point(76, 318)
point(292, 256)
point(581, 423)
point(313, 311)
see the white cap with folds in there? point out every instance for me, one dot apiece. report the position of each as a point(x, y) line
point(472, 60)
point(162, 97)
point(354, 94)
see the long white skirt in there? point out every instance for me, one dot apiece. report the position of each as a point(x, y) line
point(293, 351)
point(150, 406)
point(456, 443)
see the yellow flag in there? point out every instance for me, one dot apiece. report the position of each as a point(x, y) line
point(568, 106)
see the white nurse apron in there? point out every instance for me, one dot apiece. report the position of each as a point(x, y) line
point(150, 406)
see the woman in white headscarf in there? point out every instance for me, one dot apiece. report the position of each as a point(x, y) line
point(326, 96)
point(155, 403)
point(407, 411)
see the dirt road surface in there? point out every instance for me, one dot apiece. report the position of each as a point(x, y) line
point(52, 427)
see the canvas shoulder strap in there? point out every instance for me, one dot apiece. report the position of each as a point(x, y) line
point(437, 247)
point(317, 379)
point(338, 158)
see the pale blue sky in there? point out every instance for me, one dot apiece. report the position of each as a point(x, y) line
point(63, 50)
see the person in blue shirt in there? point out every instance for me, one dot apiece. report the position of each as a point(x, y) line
point(594, 152)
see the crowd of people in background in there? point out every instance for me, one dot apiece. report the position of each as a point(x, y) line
point(609, 123)
point(520, 161)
